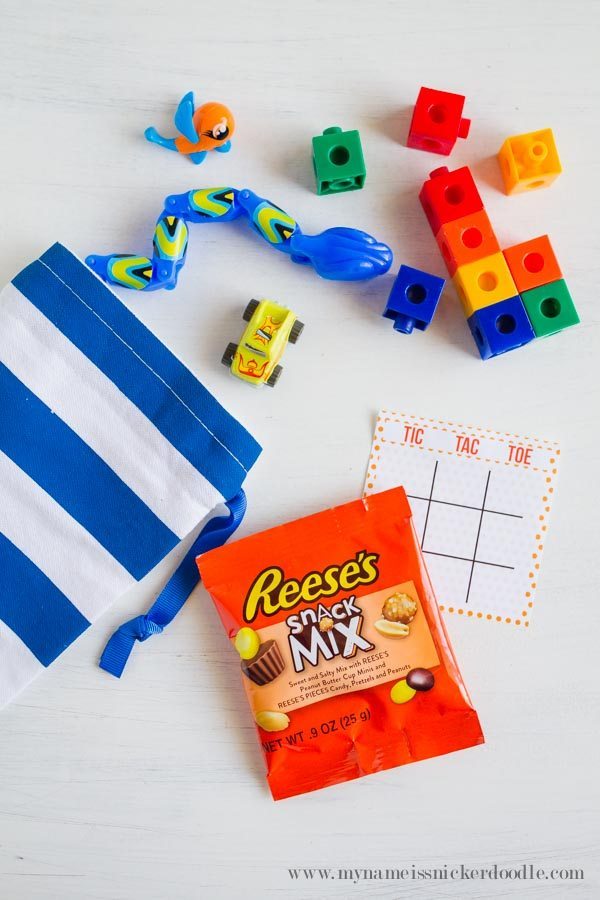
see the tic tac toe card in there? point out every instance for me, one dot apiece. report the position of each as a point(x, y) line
point(481, 501)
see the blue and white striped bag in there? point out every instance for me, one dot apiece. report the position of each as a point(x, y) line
point(111, 452)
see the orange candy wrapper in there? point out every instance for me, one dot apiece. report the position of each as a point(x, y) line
point(343, 654)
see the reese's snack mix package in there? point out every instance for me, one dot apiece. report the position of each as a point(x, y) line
point(341, 647)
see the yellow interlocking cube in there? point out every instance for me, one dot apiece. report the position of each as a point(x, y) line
point(529, 161)
point(483, 282)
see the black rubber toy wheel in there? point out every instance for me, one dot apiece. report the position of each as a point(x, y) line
point(249, 311)
point(296, 331)
point(227, 357)
point(274, 376)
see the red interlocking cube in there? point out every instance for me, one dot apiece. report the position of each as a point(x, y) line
point(437, 121)
point(447, 196)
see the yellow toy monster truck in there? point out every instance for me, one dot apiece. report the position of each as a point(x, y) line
point(270, 326)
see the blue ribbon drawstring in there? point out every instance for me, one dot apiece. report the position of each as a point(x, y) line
point(175, 592)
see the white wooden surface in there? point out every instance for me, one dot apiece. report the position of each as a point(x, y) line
point(153, 787)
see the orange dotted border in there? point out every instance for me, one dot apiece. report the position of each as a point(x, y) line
point(486, 459)
point(374, 458)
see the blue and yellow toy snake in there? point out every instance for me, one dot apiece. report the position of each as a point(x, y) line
point(339, 254)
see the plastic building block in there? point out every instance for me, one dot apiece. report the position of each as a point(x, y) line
point(484, 282)
point(550, 308)
point(447, 196)
point(533, 263)
point(501, 327)
point(529, 161)
point(255, 359)
point(338, 161)
point(466, 240)
point(209, 127)
point(437, 121)
point(413, 299)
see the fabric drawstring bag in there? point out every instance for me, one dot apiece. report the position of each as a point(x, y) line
point(111, 452)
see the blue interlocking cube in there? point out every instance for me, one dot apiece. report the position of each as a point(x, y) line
point(501, 327)
point(413, 299)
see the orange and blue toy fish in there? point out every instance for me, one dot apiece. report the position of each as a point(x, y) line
point(209, 127)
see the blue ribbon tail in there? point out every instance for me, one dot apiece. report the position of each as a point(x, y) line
point(175, 592)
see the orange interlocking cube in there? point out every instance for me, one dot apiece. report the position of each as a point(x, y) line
point(532, 263)
point(529, 161)
point(466, 239)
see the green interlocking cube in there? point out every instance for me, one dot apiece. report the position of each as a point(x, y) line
point(550, 308)
point(338, 161)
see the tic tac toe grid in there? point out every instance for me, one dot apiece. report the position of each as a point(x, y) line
point(480, 502)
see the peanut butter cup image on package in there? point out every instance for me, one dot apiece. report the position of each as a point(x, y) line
point(266, 665)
